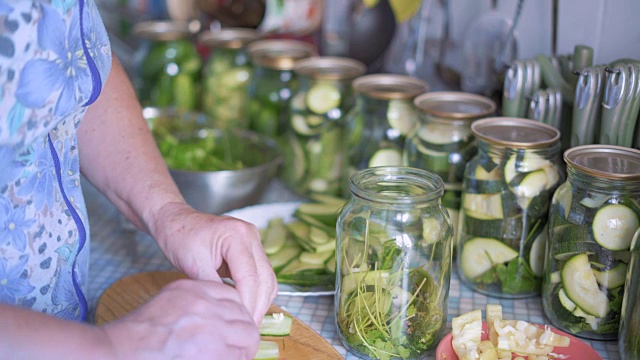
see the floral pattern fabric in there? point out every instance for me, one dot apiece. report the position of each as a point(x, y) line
point(54, 59)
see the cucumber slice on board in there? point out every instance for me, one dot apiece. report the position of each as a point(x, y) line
point(582, 288)
point(267, 350)
point(614, 226)
point(480, 254)
point(322, 98)
point(483, 206)
point(612, 278)
point(401, 116)
point(386, 157)
point(275, 325)
point(537, 253)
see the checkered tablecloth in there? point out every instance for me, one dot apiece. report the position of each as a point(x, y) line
point(118, 251)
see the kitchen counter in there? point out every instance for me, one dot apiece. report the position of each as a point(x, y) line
point(117, 251)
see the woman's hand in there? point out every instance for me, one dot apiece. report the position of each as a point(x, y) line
point(188, 319)
point(208, 247)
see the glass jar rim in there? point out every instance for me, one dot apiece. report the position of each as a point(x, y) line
point(431, 184)
point(390, 86)
point(279, 54)
point(330, 68)
point(430, 103)
point(517, 133)
point(162, 30)
point(229, 38)
point(605, 161)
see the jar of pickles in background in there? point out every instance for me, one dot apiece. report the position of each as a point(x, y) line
point(169, 73)
point(316, 155)
point(629, 333)
point(273, 82)
point(506, 192)
point(592, 221)
point(393, 258)
point(443, 142)
point(226, 77)
point(381, 120)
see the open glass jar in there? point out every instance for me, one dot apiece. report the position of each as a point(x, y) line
point(629, 333)
point(170, 68)
point(393, 264)
point(592, 220)
point(316, 155)
point(443, 142)
point(381, 120)
point(226, 77)
point(273, 82)
point(506, 192)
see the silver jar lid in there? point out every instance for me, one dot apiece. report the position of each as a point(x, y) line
point(515, 133)
point(279, 54)
point(605, 161)
point(330, 68)
point(455, 105)
point(162, 30)
point(390, 86)
point(229, 38)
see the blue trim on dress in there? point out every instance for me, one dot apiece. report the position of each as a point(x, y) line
point(95, 74)
point(82, 233)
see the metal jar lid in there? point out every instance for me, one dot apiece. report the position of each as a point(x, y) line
point(515, 132)
point(330, 68)
point(229, 38)
point(162, 30)
point(279, 54)
point(605, 161)
point(455, 105)
point(390, 86)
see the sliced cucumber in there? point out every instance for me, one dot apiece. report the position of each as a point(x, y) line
point(537, 253)
point(481, 174)
point(612, 278)
point(386, 157)
point(532, 184)
point(283, 257)
point(298, 229)
point(564, 197)
point(401, 116)
point(275, 236)
point(594, 201)
point(483, 206)
point(565, 301)
point(323, 97)
point(318, 236)
point(589, 319)
point(582, 288)
point(325, 213)
point(318, 258)
point(330, 265)
point(297, 266)
point(614, 226)
point(554, 277)
point(277, 324)
point(267, 350)
point(480, 254)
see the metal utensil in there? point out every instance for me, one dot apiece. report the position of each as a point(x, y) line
point(615, 92)
point(513, 90)
point(632, 101)
point(586, 111)
point(538, 106)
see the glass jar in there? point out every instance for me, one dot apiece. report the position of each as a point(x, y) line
point(629, 334)
point(393, 264)
point(443, 142)
point(592, 219)
point(314, 159)
point(170, 68)
point(273, 83)
point(506, 192)
point(381, 119)
point(226, 77)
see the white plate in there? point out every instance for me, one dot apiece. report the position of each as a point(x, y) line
point(259, 215)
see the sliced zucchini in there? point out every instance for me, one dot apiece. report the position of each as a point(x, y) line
point(589, 319)
point(481, 174)
point(614, 226)
point(480, 254)
point(401, 116)
point(582, 288)
point(297, 266)
point(318, 236)
point(483, 206)
point(565, 301)
point(554, 277)
point(594, 201)
point(325, 213)
point(323, 97)
point(612, 278)
point(300, 125)
point(283, 257)
point(318, 258)
point(330, 265)
point(532, 184)
point(334, 201)
point(275, 236)
point(267, 350)
point(564, 197)
point(537, 253)
point(277, 324)
point(386, 157)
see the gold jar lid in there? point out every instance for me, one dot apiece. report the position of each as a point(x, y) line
point(605, 161)
point(515, 132)
point(390, 86)
point(279, 54)
point(162, 30)
point(330, 68)
point(455, 105)
point(229, 38)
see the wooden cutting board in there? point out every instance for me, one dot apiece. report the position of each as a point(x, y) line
point(128, 293)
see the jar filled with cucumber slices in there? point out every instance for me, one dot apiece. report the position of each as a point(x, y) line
point(316, 155)
point(443, 142)
point(273, 83)
point(169, 72)
point(226, 76)
point(629, 334)
point(381, 120)
point(393, 257)
point(506, 193)
point(592, 221)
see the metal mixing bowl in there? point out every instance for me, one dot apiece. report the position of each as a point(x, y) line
point(217, 192)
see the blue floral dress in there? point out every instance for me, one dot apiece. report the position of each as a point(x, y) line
point(54, 60)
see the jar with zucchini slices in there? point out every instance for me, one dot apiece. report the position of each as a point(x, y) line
point(593, 218)
point(316, 155)
point(273, 83)
point(226, 75)
point(169, 73)
point(629, 334)
point(506, 192)
point(382, 119)
point(443, 142)
point(393, 259)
